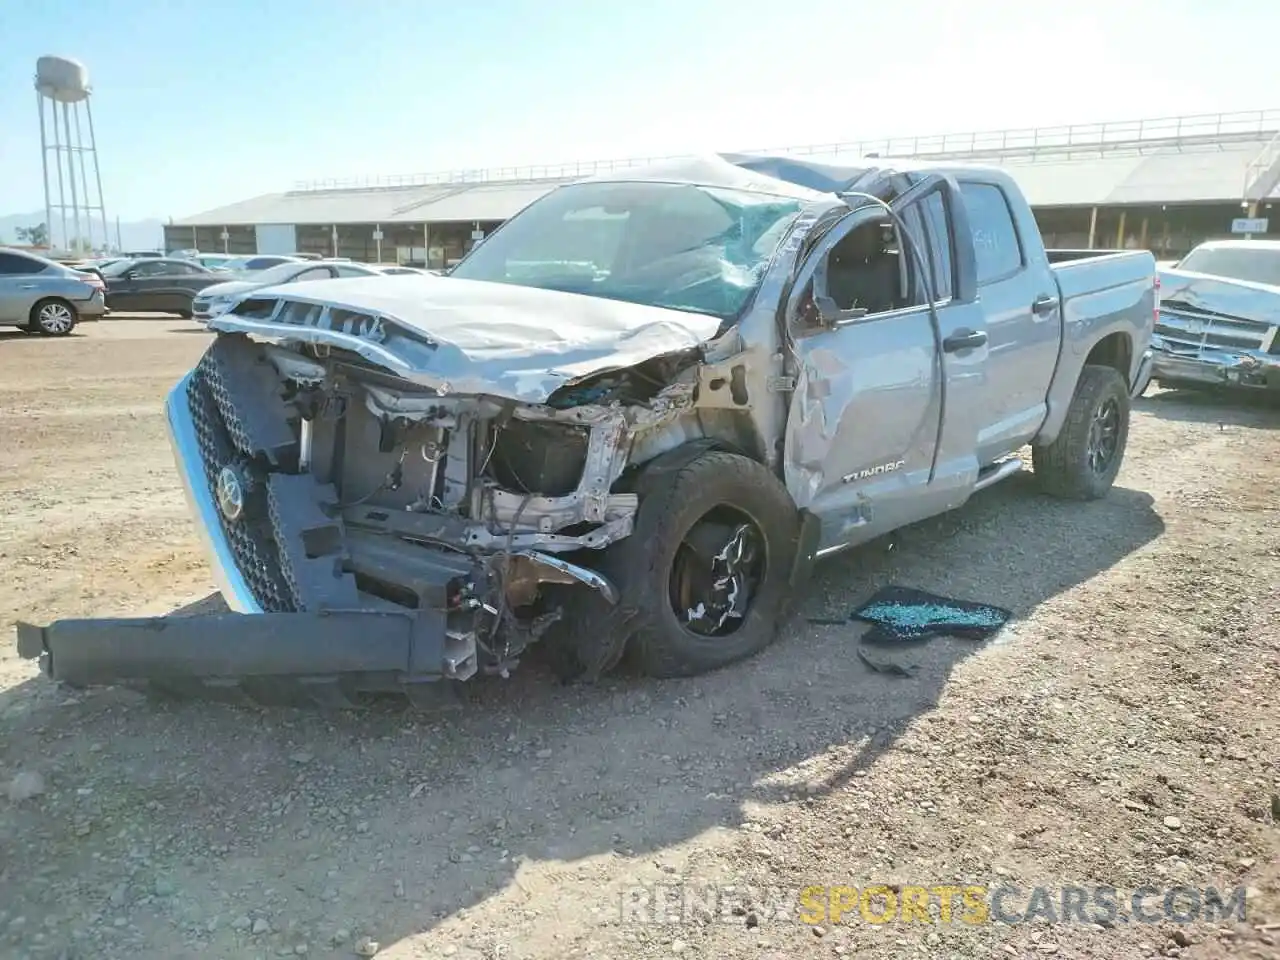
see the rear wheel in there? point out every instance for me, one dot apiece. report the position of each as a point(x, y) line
point(1082, 463)
point(53, 318)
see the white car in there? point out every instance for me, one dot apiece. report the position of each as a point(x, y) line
point(216, 299)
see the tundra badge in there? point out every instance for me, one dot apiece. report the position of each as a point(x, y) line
point(874, 471)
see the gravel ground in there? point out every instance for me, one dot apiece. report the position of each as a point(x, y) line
point(1122, 731)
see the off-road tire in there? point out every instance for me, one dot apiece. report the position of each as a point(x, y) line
point(670, 504)
point(42, 317)
point(1062, 467)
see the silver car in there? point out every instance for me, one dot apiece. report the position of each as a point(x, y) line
point(217, 298)
point(40, 296)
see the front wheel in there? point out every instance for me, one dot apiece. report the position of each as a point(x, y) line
point(1082, 463)
point(706, 574)
point(53, 318)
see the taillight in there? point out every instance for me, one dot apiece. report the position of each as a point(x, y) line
point(1156, 307)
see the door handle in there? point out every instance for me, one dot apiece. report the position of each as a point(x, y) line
point(28, 286)
point(964, 340)
point(1045, 304)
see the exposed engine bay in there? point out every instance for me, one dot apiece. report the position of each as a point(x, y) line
point(342, 486)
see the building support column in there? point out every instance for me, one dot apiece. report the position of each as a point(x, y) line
point(1142, 237)
point(1093, 227)
point(1120, 232)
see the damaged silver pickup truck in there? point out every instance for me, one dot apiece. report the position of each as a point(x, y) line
point(631, 419)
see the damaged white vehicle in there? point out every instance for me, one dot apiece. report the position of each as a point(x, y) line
point(630, 419)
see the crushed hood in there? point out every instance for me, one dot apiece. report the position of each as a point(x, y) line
point(1234, 298)
point(471, 336)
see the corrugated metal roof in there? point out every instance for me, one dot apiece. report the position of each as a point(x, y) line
point(1169, 175)
point(1164, 176)
point(433, 203)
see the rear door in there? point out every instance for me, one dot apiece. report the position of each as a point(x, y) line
point(882, 429)
point(168, 286)
point(188, 280)
point(1023, 314)
point(132, 290)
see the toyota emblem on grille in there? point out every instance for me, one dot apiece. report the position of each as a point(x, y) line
point(230, 494)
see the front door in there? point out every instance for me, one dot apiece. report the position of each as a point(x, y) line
point(884, 420)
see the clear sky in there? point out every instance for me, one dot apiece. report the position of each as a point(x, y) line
point(198, 103)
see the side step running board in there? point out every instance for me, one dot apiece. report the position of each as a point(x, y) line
point(997, 472)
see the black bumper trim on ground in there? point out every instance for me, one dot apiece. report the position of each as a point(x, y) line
point(228, 645)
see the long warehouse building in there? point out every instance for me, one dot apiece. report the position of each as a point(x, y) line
point(1163, 184)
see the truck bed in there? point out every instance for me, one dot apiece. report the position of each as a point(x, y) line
point(1109, 280)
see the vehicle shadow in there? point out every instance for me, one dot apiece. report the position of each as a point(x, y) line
point(13, 333)
point(1241, 408)
point(392, 822)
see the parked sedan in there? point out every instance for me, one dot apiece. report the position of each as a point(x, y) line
point(40, 296)
point(217, 298)
point(156, 285)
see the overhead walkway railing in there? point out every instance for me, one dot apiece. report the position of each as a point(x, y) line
point(1074, 140)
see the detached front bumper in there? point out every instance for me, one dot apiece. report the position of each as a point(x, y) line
point(1223, 368)
point(401, 646)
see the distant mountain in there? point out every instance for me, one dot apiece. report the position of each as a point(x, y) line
point(134, 235)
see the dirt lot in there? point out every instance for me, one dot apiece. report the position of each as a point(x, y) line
point(1124, 731)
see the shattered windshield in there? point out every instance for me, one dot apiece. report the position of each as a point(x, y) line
point(1261, 265)
point(685, 247)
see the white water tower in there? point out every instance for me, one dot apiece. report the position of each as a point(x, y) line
point(62, 96)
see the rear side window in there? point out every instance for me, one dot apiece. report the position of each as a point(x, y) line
point(997, 252)
point(16, 265)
